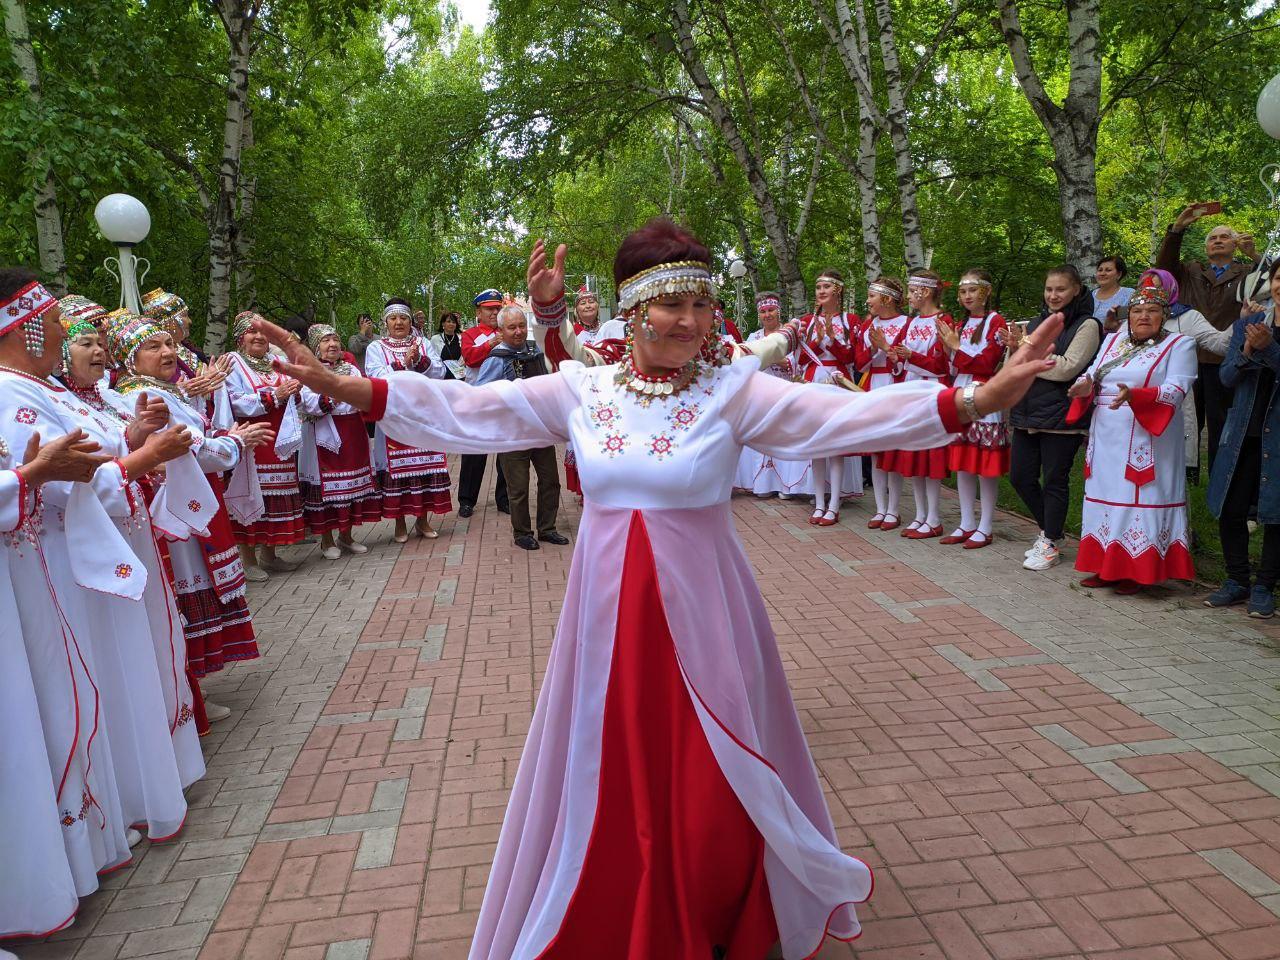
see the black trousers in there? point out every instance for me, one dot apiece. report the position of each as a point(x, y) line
point(515, 465)
point(1213, 400)
point(1040, 471)
point(1233, 525)
point(471, 475)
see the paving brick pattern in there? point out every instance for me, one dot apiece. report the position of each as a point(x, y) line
point(1034, 771)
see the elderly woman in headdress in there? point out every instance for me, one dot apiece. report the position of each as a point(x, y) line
point(204, 382)
point(1134, 527)
point(415, 481)
point(340, 492)
point(208, 578)
point(262, 394)
point(149, 705)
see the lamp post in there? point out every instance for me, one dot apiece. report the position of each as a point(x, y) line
point(1268, 113)
point(738, 270)
point(125, 222)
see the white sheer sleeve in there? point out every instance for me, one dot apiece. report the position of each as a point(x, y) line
point(805, 421)
point(456, 417)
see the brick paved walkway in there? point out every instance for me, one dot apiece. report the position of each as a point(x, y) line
point(1034, 770)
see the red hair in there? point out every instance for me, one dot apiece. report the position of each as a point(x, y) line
point(658, 241)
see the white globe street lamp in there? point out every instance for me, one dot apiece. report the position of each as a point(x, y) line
point(125, 222)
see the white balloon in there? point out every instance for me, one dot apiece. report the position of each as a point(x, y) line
point(1269, 108)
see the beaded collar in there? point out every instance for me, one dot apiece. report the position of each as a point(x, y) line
point(262, 365)
point(630, 378)
point(136, 382)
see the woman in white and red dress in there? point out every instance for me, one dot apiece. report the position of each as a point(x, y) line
point(980, 457)
point(825, 355)
point(1134, 526)
point(878, 367)
point(334, 462)
point(920, 357)
point(415, 481)
point(208, 578)
point(760, 473)
point(666, 804)
point(261, 394)
point(203, 383)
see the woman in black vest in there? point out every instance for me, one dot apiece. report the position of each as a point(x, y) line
point(1044, 446)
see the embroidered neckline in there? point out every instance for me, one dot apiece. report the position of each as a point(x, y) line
point(33, 378)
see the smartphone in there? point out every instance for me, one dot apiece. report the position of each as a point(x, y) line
point(1209, 208)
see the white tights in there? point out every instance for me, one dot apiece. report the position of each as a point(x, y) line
point(928, 494)
point(887, 488)
point(968, 486)
point(828, 473)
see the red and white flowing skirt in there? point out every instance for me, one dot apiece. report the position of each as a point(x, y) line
point(915, 463)
point(666, 803)
point(416, 482)
point(208, 579)
point(346, 495)
point(282, 522)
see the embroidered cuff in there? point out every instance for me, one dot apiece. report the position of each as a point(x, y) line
point(550, 314)
point(792, 332)
point(124, 474)
point(378, 405)
point(948, 411)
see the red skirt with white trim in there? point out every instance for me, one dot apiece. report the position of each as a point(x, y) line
point(416, 482)
point(346, 495)
point(983, 449)
point(282, 523)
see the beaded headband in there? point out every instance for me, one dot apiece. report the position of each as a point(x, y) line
point(30, 303)
point(162, 306)
point(125, 332)
point(396, 310)
point(830, 279)
point(681, 276)
point(76, 308)
point(974, 282)
point(317, 332)
point(585, 294)
point(768, 303)
point(886, 290)
point(929, 282)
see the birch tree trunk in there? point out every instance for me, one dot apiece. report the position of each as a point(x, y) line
point(1073, 126)
point(246, 279)
point(771, 216)
point(53, 257)
point(238, 21)
point(868, 137)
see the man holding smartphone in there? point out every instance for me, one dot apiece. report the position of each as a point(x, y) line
point(1211, 286)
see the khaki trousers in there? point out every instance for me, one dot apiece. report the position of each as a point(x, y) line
point(515, 467)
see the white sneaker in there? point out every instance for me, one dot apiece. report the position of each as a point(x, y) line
point(1047, 556)
point(256, 575)
point(331, 553)
point(1040, 538)
point(353, 547)
point(215, 711)
point(133, 837)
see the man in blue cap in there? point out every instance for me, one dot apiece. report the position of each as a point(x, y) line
point(476, 344)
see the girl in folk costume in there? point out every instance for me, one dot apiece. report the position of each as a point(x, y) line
point(980, 457)
point(664, 711)
point(334, 461)
point(204, 383)
point(586, 325)
point(208, 577)
point(415, 481)
point(148, 701)
point(261, 394)
point(875, 357)
point(920, 356)
point(758, 473)
point(1134, 525)
point(825, 355)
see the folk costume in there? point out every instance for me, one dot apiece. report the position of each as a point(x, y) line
point(980, 456)
point(252, 384)
point(148, 705)
point(208, 575)
point(414, 480)
point(878, 369)
point(169, 312)
point(64, 558)
point(337, 477)
point(664, 710)
point(926, 468)
point(1134, 525)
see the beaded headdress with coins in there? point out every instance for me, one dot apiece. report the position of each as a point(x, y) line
point(24, 308)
